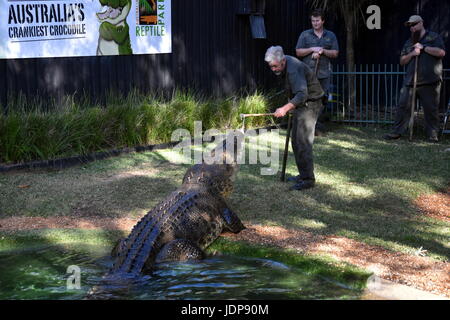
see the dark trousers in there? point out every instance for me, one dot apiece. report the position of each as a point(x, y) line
point(303, 127)
point(429, 96)
point(325, 84)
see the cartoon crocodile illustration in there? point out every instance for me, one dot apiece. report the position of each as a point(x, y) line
point(114, 37)
point(181, 226)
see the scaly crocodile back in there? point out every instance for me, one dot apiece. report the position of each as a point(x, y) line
point(189, 213)
point(143, 243)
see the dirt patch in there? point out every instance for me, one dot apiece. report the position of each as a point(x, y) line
point(435, 205)
point(415, 271)
point(419, 272)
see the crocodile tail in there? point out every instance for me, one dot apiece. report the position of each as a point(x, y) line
point(131, 252)
point(137, 248)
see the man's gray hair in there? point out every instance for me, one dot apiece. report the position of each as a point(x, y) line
point(274, 53)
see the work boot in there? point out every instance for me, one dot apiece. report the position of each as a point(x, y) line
point(295, 179)
point(302, 185)
point(319, 133)
point(392, 136)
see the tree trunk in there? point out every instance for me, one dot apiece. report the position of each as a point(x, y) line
point(350, 57)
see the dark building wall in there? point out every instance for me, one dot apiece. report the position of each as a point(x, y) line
point(384, 46)
point(213, 51)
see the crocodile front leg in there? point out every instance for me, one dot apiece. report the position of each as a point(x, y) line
point(179, 250)
point(232, 221)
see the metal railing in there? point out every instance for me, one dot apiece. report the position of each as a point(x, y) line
point(376, 89)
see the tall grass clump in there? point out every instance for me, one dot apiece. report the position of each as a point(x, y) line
point(216, 113)
point(255, 103)
point(39, 131)
point(174, 114)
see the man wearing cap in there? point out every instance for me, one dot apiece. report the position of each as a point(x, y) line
point(430, 50)
point(306, 96)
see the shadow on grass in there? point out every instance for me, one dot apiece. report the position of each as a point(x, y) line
point(126, 186)
point(365, 190)
point(376, 225)
point(29, 239)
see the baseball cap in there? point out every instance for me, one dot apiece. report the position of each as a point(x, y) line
point(413, 20)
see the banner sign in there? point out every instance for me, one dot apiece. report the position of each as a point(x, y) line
point(73, 28)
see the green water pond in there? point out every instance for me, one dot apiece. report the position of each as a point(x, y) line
point(37, 271)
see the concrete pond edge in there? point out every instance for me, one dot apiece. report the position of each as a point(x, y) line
point(382, 289)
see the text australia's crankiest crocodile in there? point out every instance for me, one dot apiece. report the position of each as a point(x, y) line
point(184, 224)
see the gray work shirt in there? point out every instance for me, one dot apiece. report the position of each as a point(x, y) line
point(301, 82)
point(429, 67)
point(328, 41)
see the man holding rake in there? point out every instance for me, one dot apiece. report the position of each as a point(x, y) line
point(422, 54)
point(316, 47)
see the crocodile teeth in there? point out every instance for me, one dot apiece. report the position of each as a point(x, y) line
point(105, 14)
point(115, 13)
point(109, 12)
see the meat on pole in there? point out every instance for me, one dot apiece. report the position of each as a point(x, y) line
point(246, 115)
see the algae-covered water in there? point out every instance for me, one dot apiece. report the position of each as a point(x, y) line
point(52, 273)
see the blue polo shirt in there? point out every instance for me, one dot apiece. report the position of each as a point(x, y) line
point(328, 41)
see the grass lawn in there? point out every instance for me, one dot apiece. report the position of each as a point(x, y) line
point(365, 190)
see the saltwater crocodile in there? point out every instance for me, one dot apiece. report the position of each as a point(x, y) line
point(182, 225)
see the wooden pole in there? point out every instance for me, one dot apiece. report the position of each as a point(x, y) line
point(413, 102)
point(286, 148)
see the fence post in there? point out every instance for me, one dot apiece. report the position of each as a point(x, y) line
point(378, 104)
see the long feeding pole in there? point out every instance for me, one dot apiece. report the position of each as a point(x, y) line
point(286, 149)
point(317, 66)
point(413, 102)
point(246, 115)
point(415, 37)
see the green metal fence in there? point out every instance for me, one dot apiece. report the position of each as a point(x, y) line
point(375, 88)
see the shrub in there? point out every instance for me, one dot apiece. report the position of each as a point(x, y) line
point(39, 131)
